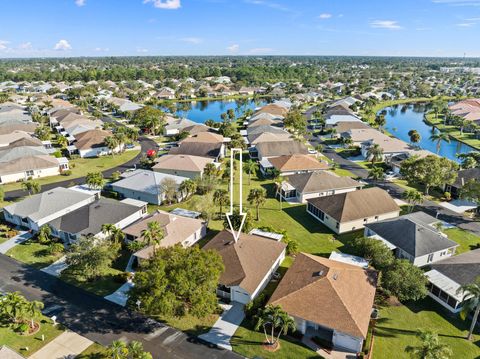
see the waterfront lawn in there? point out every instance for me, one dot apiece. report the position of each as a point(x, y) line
point(81, 166)
point(453, 131)
point(397, 327)
point(467, 240)
point(33, 253)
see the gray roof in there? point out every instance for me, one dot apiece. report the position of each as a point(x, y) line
point(463, 268)
point(281, 148)
point(145, 181)
point(466, 175)
point(264, 128)
point(89, 219)
point(8, 153)
point(320, 181)
point(413, 233)
point(46, 203)
point(202, 149)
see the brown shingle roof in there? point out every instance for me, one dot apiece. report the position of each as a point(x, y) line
point(297, 163)
point(204, 137)
point(350, 206)
point(181, 163)
point(246, 261)
point(320, 181)
point(91, 139)
point(201, 149)
point(273, 109)
point(330, 293)
point(281, 148)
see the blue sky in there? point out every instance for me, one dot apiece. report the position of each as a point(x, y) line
point(34, 28)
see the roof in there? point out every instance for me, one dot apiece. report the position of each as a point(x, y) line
point(273, 109)
point(204, 137)
point(7, 127)
point(350, 206)
point(273, 149)
point(349, 259)
point(257, 138)
point(91, 139)
point(9, 153)
point(333, 294)
point(411, 234)
point(246, 261)
point(466, 175)
point(344, 126)
point(181, 163)
point(27, 163)
point(7, 139)
point(145, 181)
point(463, 268)
point(46, 203)
point(201, 149)
point(297, 162)
point(320, 181)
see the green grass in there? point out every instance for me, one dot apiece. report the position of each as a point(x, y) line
point(398, 325)
point(33, 253)
point(94, 351)
point(190, 324)
point(34, 342)
point(82, 166)
point(466, 240)
point(453, 131)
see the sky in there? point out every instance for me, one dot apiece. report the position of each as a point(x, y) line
point(65, 28)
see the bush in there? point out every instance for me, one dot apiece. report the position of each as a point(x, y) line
point(57, 154)
point(55, 248)
point(448, 196)
point(252, 307)
point(116, 175)
point(292, 246)
point(66, 173)
point(22, 328)
point(122, 277)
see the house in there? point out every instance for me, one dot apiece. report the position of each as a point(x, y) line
point(7, 139)
point(448, 275)
point(328, 299)
point(91, 143)
point(182, 165)
point(11, 126)
point(176, 229)
point(176, 125)
point(292, 164)
point(215, 151)
point(147, 186)
point(413, 237)
point(303, 186)
point(31, 166)
point(256, 138)
point(39, 209)
point(350, 211)
point(249, 264)
point(273, 109)
point(88, 219)
point(254, 133)
point(165, 93)
point(463, 176)
point(278, 148)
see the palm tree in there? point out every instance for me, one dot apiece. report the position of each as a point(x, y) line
point(257, 197)
point(33, 309)
point(250, 167)
point(413, 197)
point(153, 234)
point(112, 143)
point(278, 188)
point(375, 153)
point(62, 142)
point(380, 121)
point(95, 180)
point(44, 234)
point(221, 198)
point(187, 188)
point(31, 187)
point(439, 137)
point(376, 174)
point(414, 136)
point(277, 319)
point(430, 348)
point(117, 350)
point(471, 302)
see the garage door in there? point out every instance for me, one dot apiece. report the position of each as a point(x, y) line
point(347, 342)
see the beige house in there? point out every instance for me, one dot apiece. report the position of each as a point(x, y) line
point(23, 168)
point(182, 165)
point(350, 211)
point(297, 163)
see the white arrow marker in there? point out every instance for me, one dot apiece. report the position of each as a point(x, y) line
point(236, 234)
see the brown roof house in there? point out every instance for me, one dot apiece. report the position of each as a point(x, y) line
point(279, 148)
point(92, 143)
point(249, 264)
point(291, 164)
point(329, 299)
point(182, 165)
point(346, 212)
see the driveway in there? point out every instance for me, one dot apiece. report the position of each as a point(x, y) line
point(226, 326)
point(66, 345)
point(56, 268)
point(120, 296)
point(14, 241)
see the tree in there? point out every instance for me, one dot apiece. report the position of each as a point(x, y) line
point(178, 281)
point(430, 347)
point(380, 121)
point(151, 119)
point(17, 309)
point(413, 198)
point(295, 120)
point(117, 350)
point(375, 153)
point(273, 318)
point(379, 255)
point(112, 143)
point(32, 187)
point(471, 191)
point(439, 137)
point(236, 220)
point(471, 302)
point(210, 170)
point(169, 187)
point(405, 281)
point(113, 233)
point(153, 235)
point(95, 180)
point(250, 167)
point(62, 142)
point(89, 258)
point(221, 198)
point(376, 174)
point(257, 197)
point(278, 182)
point(187, 188)
point(43, 133)
point(44, 234)
point(414, 136)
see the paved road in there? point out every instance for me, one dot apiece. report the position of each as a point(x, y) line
point(145, 143)
point(102, 321)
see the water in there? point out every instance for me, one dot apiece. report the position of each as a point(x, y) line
point(201, 111)
point(403, 118)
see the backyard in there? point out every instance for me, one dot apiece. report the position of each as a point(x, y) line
point(454, 131)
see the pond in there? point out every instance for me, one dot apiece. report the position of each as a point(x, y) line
point(403, 118)
point(201, 111)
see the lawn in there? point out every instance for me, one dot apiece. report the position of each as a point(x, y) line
point(33, 253)
point(466, 240)
point(81, 166)
point(190, 324)
point(34, 342)
point(397, 326)
point(94, 351)
point(453, 131)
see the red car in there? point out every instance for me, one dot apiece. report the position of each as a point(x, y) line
point(151, 153)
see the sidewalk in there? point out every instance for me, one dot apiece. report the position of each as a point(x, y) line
point(12, 242)
point(66, 345)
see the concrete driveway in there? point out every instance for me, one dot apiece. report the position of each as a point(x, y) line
point(66, 345)
point(14, 241)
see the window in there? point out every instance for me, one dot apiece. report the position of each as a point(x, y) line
point(365, 220)
point(452, 302)
point(430, 258)
point(316, 212)
point(29, 173)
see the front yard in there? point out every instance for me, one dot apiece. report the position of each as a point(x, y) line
point(33, 253)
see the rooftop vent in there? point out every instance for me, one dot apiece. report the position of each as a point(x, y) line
point(335, 276)
point(318, 274)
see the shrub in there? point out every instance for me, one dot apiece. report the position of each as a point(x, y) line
point(22, 328)
point(66, 173)
point(55, 248)
point(252, 307)
point(448, 196)
point(116, 175)
point(57, 154)
point(292, 246)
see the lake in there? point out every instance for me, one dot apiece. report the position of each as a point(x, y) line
point(201, 111)
point(403, 118)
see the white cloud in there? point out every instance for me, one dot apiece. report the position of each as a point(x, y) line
point(25, 46)
point(233, 48)
point(3, 45)
point(142, 50)
point(458, 2)
point(260, 51)
point(466, 24)
point(269, 4)
point(325, 16)
point(62, 45)
point(385, 24)
point(192, 40)
point(164, 4)
point(80, 2)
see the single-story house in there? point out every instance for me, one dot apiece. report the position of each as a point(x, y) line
point(88, 219)
point(350, 211)
point(292, 164)
point(303, 186)
point(176, 229)
point(8, 138)
point(91, 143)
point(182, 165)
point(147, 186)
point(39, 209)
point(249, 264)
point(32, 166)
point(463, 177)
point(329, 299)
point(447, 275)
point(278, 148)
point(215, 151)
point(413, 237)
point(176, 125)
point(256, 138)
point(273, 109)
